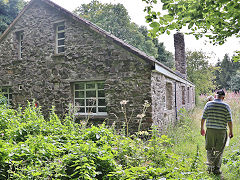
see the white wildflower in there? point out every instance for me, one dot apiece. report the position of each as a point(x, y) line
point(123, 102)
point(141, 116)
point(146, 104)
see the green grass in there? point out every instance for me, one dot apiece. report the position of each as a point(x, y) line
point(186, 137)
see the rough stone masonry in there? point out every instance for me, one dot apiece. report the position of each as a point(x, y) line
point(91, 57)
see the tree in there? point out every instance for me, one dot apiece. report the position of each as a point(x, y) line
point(235, 82)
point(200, 72)
point(226, 69)
point(114, 18)
point(217, 19)
point(200, 16)
point(9, 10)
point(164, 56)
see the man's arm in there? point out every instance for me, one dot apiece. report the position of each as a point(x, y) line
point(230, 129)
point(229, 120)
point(204, 116)
point(202, 127)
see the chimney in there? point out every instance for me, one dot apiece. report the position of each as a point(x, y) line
point(180, 58)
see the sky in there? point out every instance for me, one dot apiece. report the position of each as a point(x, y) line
point(135, 9)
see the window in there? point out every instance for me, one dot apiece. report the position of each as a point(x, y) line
point(169, 95)
point(89, 97)
point(183, 95)
point(188, 94)
point(20, 44)
point(60, 38)
point(7, 92)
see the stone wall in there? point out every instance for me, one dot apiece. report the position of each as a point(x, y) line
point(162, 116)
point(89, 56)
point(168, 97)
point(49, 78)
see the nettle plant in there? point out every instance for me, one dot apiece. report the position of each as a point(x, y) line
point(32, 147)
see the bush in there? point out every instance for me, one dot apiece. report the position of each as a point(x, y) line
point(32, 147)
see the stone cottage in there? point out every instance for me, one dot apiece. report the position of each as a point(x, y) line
point(57, 58)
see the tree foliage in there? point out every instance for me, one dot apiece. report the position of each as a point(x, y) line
point(235, 82)
point(217, 20)
point(9, 10)
point(200, 72)
point(114, 19)
point(227, 69)
point(163, 55)
point(220, 17)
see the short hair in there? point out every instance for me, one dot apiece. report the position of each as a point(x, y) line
point(220, 93)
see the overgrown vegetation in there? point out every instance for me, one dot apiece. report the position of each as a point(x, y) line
point(32, 147)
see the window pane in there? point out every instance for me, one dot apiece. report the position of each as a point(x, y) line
point(100, 85)
point(90, 102)
point(101, 93)
point(60, 28)
point(61, 49)
point(80, 109)
point(6, 95)
point(60, 42)
point(79, 102)
point(102, 109)
point(79, 94)
point(79, 86)
point(91, 109)
point(61, 35)
point(90, 93)
point(10, 96)
point(101, 102)
point(91, 96)
point(90, 86)
point(4, 90)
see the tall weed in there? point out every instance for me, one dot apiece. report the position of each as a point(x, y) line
point(32, 147)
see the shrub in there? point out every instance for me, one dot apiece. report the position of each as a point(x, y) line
point(35, 148)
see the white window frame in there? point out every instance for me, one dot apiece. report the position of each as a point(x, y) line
point(7, 93)
point(20, 45)
point(61, 24)
point(85, 109)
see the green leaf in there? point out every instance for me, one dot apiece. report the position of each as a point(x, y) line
point(168, 17)
point(190, 25)
point(154, 25)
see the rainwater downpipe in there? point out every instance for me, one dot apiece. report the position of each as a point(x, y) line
point(176, 101)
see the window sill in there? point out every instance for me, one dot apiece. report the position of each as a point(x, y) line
point(91, 116)
point(58, 55)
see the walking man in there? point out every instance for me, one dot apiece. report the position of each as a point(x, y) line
point(217, 115)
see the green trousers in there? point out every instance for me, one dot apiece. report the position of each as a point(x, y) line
point(215, 143)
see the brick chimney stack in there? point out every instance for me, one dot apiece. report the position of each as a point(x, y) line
point(180, 57)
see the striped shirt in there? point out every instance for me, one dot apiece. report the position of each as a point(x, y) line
point(217, 113)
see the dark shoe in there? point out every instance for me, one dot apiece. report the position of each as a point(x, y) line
point(217, 171)
point(210, 169)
